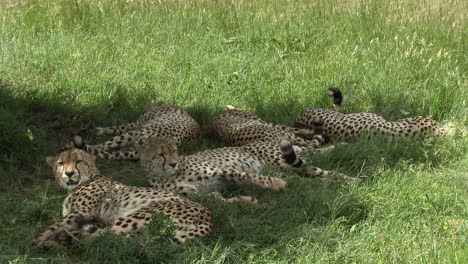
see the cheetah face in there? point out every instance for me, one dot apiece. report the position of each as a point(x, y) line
point(72, 168)
point(159, 157)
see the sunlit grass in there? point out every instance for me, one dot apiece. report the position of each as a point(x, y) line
point(72, 64)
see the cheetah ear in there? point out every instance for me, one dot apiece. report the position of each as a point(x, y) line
point(51, 160)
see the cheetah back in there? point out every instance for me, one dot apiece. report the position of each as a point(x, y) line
point(349, 126)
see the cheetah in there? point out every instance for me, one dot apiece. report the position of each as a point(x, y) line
point(208, 171)
point(160, 120)
point(205, 172)
point(347, 127)
point(248, 159)
point(236, 127)
point(93, 197)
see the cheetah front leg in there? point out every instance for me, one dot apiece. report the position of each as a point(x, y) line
point(63, 233)
point(266, 182)
point(186, 190)
point(48, 239)
point(328, 148)
point(325, 149)
point(238, 199)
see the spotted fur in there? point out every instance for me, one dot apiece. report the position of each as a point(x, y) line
point(160, 120)
point(93, 197)
point(208, 171)
point(236, 127)
point(347, 127)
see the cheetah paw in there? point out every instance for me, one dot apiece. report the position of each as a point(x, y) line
point(278, 184)
point(247, 200)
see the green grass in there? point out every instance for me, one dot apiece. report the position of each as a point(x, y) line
point(66, 65)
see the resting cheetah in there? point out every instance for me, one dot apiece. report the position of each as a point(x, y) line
point(93, 197)
point(206, 171)
point(158, 120)
point(338, 126)
point(236, 127)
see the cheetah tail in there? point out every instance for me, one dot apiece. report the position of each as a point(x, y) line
point(337, 97)
point(320, 136)
point(289, 154)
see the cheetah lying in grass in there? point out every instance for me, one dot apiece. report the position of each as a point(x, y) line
point(93, 197)
point(346, 127)
point(207, 171)
point(236, 127)
point(159, 120)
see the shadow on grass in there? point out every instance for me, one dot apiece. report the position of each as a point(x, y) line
point(33, 124)
point(306, 210)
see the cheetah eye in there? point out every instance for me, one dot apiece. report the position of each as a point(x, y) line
point(78, 161)
point(60, 163)
point(161, 154)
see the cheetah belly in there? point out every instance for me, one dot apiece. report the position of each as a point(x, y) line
point(120, 205)
point(108, 213)
point(246, 164)
point(208, 186)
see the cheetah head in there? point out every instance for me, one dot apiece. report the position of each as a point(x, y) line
point(73, 167)
point(159, 157)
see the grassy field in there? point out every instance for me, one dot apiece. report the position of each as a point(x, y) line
point(66, 65)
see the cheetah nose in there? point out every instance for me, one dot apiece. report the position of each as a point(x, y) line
point(173, 165)
point(69, 173)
